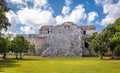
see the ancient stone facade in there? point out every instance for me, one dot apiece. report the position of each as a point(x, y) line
point(65, 40)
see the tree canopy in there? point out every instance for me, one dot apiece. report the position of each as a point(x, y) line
point(4, 23)
point(108, 39)
point(20, 45)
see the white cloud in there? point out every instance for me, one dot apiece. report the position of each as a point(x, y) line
point(91, 17)
point(40, 3)
point(35, 17)
point(27, 29)
point(15, 1)
point(112, 12)
point(68, 15)
point(68, 2)
point(75, 16)
point(37, 3)
point(32, 18)
point(12, 17)
point(8, 32)
point(65, 10)
point(103, 2)
point(110, 9)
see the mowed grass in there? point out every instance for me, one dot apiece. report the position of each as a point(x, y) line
point(36, 64)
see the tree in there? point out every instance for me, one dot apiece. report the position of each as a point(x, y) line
point(102, 48)
point(117, 24)
point(116, 40)
point(3, 20)
point(92, 42)
point(3, 25)
point(4, 46)
point(13, 47)
point(20, 45)
point(108, 40)
point(108, 33)
point(97, 43)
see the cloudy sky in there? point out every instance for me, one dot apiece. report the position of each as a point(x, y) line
point(27, 16)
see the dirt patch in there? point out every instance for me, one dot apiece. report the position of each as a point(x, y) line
point(1, 59)
point(2, 72)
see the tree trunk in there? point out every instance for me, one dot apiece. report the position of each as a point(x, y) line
point(20, 55)
point(119, 55)
point(16, 56)
point(113, 55)
point(101, 54)
point(4, 55)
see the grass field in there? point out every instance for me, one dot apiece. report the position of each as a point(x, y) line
point(34, 64)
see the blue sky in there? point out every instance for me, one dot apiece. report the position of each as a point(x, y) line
point(27, 16)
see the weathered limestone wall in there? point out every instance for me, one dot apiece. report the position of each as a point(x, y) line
point(38, 40)
point(39, 45)
point(64, 41)
point(46, 29)
point(63, 45)
point(89, 30)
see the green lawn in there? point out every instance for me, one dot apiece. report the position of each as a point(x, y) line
point(34, 64)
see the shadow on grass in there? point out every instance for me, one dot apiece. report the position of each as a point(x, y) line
point(24, 59)
point(28, 59)
point(8, 63)
point(109, 58)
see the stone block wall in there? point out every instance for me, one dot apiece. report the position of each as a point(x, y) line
point(65, 40)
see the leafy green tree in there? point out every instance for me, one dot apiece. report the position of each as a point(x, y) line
point(117, 24)
point(4, 46)
point(92, 42)
point(107, 40)
point(97, 43)
point(20, 45)
point(116, 39)
point(13, 48)
point(3, 25)
point(102, 48)
point(3, 20)
point(108, 33)
point(104, 36)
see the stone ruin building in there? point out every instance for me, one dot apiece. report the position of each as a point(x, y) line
point(65, 40)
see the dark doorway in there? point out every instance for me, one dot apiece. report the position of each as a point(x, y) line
point(84, 32)
point(49, 31)
point(86, 45)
